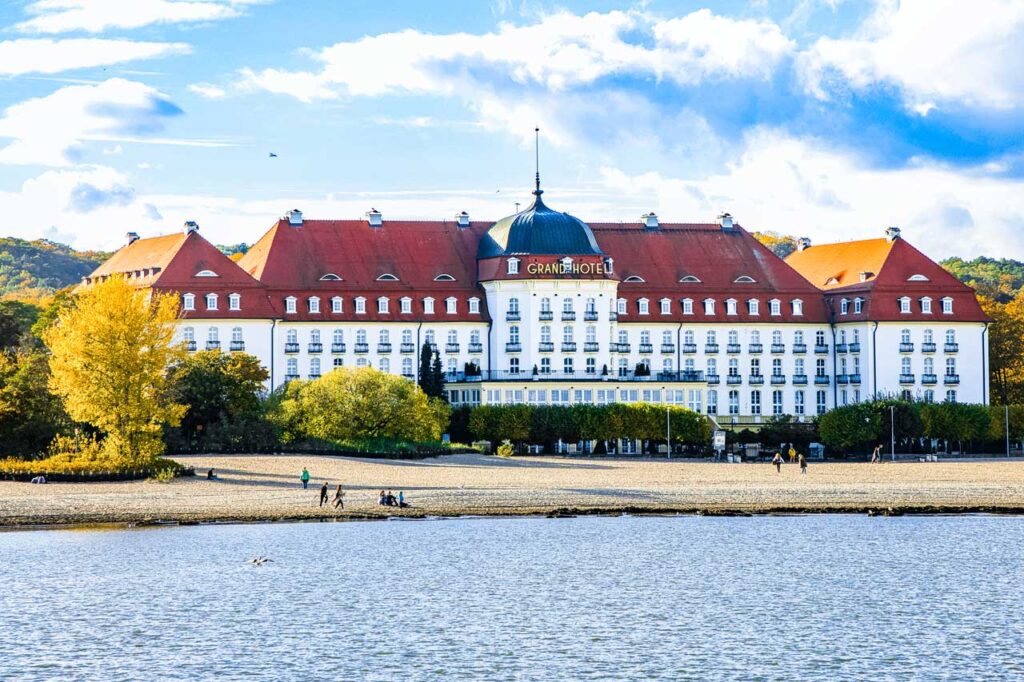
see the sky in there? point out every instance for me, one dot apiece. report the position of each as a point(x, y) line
point(830, 119)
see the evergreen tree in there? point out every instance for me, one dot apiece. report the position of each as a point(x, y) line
point(425, 376)
point(437, 378)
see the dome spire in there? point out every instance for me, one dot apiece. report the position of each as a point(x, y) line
point(536, 160)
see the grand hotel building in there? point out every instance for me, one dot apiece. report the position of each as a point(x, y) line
point(540, 307)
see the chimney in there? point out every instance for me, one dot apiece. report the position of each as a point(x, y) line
point(892, 234)
point(650, 220)
point(462, 219)
point(132, 237)
point(725, 220)
point(190, 226)
point(803, 243)
point(295, 217)
point(373, 217)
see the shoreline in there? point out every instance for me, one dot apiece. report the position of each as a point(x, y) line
point(265, 489)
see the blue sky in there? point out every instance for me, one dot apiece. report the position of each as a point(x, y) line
point(824, 118)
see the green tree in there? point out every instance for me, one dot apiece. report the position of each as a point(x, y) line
point(30, 415)
point(850, 427)
point(431, 379)
point(16, 320)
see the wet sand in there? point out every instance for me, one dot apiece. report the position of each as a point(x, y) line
point(267, 488)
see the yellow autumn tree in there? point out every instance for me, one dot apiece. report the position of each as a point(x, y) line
point(109, 352)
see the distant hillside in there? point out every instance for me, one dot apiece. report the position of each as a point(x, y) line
point(999, 278)
point(781, 244)
point(31, 270)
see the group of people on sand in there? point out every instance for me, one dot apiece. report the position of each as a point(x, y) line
point(385, 499)
point(794, 456)
point(389, 500)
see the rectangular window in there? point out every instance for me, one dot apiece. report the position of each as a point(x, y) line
point(450, 306)
point(821, 402)
point(336, 304)
point(947, 307)
point(709, 306)
point(775, 307)
point(234, 302)
point(799, 403)
point(428, 306)
point(926, 305)
point(753, 307)
point(314, 305)
point(360, 305)
point(406, 306)
point(905, 305)
point(687, 306)
point(474, 306)
point(666, 306)
point(642, 306)
point(289, 305)
point(382, 305)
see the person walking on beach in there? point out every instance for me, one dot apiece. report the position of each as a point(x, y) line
point(339, 498)
point(876, 454)
point(803, 463)
point(304, 478)
point(323, 494)
point(777, 461)
point(792, 453)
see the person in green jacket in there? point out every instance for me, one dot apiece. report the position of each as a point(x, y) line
point(304, 478)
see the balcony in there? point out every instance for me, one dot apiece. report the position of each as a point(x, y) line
point(624, 347)
point(237, 346)
point(362, 348)
point(842, 379)
point(755, 379)
point(546, 347)
point(906, 378)
point(405, 348)
point(340, 347)
point(799, 347)
point(591, 346)
point(291, 348)
point(213, 345)
point(778, 348)
point(855, 379)
point(951, 347)
point(190, 345)
point(291, 377)
point(512, 316)
point(732, 348)
point(821, 348)
point(855, 347)
point(384, 347)
point(778, 379)
point(710, 347)
point(688, 376)
point(928, 347)
point(712, 379)
point(646, 348)
point(568, 316)
point(689, 348)
point(546, 316)
point(951, 379)
point(906, 348)
point(799, 379)
point(451, 348)
point(314, 375)
point(755, 348)
point(315, 348)
point(820, 380)
point(733, 379)
point(476, 348)
point(613, 315)
point(590, 316)
point(568, 346)
point(929, 379)
point(513, 348)
point(842, 348)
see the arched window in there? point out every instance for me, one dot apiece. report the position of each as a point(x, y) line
point(387, 277)
point(292, 336)
point(444, 277)
point(330, 277)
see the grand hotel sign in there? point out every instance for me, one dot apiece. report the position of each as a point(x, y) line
point(566, 266)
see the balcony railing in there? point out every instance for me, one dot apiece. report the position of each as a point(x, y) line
point(314, 375)
point(778, 348)
point(951, 347)
point(513, 347)
point(799, 379)
point(906, 378)
point(568, 346)
point(778, 379)
point(190, 345)
point(929, 379)
point(733, 379)
point(799, 347)
point(590, 316)
point(855, 347)
point(821, 348)
point(668, 348)
point(689, 348)
point(546, 347)
point(568, 316)
point(687, 376)
point(476, 348)
point(855, 379)
point(928, 347)
point(362, 348)
point(213, 345)
point(291, 377)
point(906, 347)
point(513, 316)
point(842, 347)
point(820, 380)
point(546, 316)
point(407, 348)
point(949, 379)
point(383, 347)
point(613, 315)
point(237, 346)
point(315, 348)
point(451, 348)
point(710, 347)
point(755, 348)
point(291, 348)
point(646, 348)
point(755, 379)
point(732, 348)
point(712, 378)
point(591, 346)
point(340, 347)
point(842, 379)
point(624, 347)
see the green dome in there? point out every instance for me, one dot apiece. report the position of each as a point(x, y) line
point(538, 230)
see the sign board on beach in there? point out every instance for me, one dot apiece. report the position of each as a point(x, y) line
point(719, 441)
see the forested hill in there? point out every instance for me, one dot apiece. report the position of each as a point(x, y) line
point(31, 270)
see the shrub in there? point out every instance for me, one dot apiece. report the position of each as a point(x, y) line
point(506, 449)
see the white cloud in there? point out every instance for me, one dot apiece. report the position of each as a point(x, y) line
point(95, 16)
point(48, 130)
point(208, 91)
point(934, 50)
point(799, 187)
point(43, 55)
point(303, 86)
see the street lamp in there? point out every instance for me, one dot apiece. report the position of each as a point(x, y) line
point(892, 430)
point(668, 430)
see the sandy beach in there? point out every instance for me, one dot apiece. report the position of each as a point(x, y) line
point(263, 488)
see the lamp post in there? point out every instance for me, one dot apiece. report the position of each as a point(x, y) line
point(668, 430)
point(892, 430)
point(1006, 420)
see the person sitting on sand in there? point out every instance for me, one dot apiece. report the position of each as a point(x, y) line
point(382, 499)
point(390, 500)
point(777, 461)
point(339, 498)
point(210, 475)
point(39, 480)
point(401, 499)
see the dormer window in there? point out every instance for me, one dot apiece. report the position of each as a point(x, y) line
point(689, 279)
point(513, 266)
point(474, 306)
point(289, 304)
point(904, 304)
point(405, 305)
point(709, 306)
point(444, 277)
point(830, 281)
point(744, 279)
point(775, 306)
point(798, 306)
point(844, 306)
point(620, 306)
point(382, 304)
point(428, 305)
point(926, 305)
point(687, 306)
point(188, 302)
point(314, 304)
point(858, 305)
point(387, 277)
point(666, 306)
point(336, 304)
point(451, 305)
point(753, 307)
point(206, 273)
point(330, 277)
point(360, 305)
point(634, 278)
point(730, 306)
point(211, 301)
point(918, 278)
point(947, 306)
point(234, 302)
point(643, 306)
